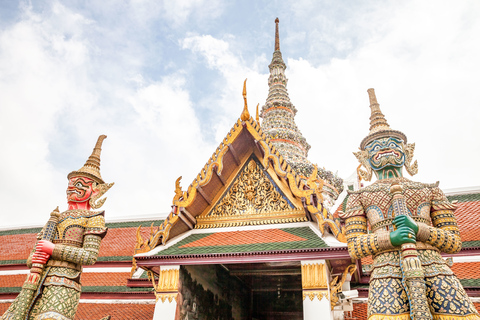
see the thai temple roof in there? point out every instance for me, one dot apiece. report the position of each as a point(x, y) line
point(279, 125)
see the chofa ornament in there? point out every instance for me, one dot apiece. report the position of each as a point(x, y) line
point(68, 241)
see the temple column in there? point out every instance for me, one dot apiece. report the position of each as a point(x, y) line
point(166, 292)
point(316, 291)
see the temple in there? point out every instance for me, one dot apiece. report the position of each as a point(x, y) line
point(256, 235)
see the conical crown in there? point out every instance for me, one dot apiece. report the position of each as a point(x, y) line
point(379, 127)
point(91, 168)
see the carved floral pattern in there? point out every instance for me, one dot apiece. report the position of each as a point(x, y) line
point(251, 193)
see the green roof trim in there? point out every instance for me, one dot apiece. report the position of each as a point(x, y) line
point(20, 231)
point(114, 289)
point(90, 289)
point(133, 224)
point(470, 244)
point(24, 261)
point(470, 282)
point(10, 289)
point(110, 225)
point(102, 259)
point(115, 258)
point(313, 241)
point(465, 197)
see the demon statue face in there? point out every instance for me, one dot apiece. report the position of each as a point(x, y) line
point(80, 189)
point(386, 157)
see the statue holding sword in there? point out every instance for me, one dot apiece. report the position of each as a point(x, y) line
point(410, 223)
point(68, 241)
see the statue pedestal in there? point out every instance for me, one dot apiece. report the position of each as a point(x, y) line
point(316, 291)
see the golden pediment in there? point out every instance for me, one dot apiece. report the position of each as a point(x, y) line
point(252, 198)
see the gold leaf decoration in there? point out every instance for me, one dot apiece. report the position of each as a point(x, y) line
point(251, 193)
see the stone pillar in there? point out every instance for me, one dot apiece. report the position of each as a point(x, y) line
point(166, 292)
point(316, 293)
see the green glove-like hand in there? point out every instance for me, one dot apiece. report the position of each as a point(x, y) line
point(402, 235)
point(405, 221)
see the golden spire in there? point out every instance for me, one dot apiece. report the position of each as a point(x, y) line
point(277, 37)
point(257, 118)
point(377, 119)
point(379, 127)
point(91, 168)
point(245, 114)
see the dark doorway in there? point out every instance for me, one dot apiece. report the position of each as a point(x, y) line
point(275, 289)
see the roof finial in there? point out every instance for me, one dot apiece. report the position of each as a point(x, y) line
point(257, 116)
point(277, 37)
point(245, 114)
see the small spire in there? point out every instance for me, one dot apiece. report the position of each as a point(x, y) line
point(379, 127)
point(377, 119)
point(91, 168)
point(257, 118)
point(245, 114)
point(277, 37)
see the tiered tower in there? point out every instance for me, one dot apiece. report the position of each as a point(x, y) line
point(278, 115)
point(278, 123)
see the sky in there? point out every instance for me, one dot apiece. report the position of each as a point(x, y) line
point(163, 80)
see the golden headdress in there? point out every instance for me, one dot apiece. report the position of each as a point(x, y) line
point(91, 168)
point(379, 127)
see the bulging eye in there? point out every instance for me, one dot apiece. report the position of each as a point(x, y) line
point(78, 185)
point(376, 148)
point(392, 145)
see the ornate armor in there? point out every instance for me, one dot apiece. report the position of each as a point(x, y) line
point(438, 232)
point(409, 224)
point(68, 241)
point(77, 243)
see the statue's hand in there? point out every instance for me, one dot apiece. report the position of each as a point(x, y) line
point(405, 221)
point(40, 257)
point(45, 246)
point(402, 235)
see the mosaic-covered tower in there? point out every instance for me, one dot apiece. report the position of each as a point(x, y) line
point(278, 123)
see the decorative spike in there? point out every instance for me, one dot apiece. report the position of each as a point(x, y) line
point(257, 117)
point(277, 37)
point(91, 168)
point(377, 119)
point(245, 114)
point(378, 124)
point(278, 114)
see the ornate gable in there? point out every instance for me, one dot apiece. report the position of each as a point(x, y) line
point(253, 197)
point(231, 190)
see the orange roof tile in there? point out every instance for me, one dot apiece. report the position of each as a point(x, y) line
point(118, 242)
point(359, 312)
point(468, 219)
point(467, 270)
point(244, 237)
point(16, 247)
point(96, 311)
point(105, 278)
point(12, 280)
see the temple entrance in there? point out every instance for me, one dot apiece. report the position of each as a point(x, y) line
point(251, 291)
point(275, 289)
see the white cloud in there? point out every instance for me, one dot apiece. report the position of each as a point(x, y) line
point(66, 78)
point(59, 92)
point(423, 68)
point(228, 100)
